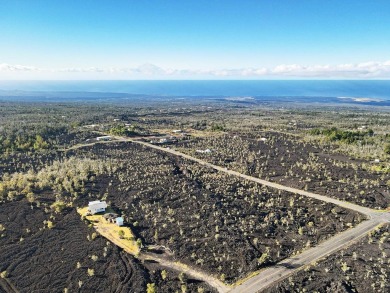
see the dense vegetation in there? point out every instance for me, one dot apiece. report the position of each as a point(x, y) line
point(65, 178)
point(335, 134)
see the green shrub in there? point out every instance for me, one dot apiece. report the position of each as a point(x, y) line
point(4, 274)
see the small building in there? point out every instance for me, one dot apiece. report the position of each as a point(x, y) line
point(206, 151)
point(119, 221)
point(103, 138)
point(167, 140)
point(91, 126)
point(110, 217)
point(97, 206)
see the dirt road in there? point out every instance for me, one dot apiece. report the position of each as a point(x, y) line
point(290, 265)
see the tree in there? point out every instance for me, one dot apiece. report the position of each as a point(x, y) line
point(155, 235)
point(151, 288)
point(264, 257)
point(3, 274)
point(344, 267)
point(58, 206)
point(120, 130)
point(183, 288)
point(91, 272)
point(164, 274)
point(50, 224)
point(182, 278)
point(39, 143)
point(387, 149)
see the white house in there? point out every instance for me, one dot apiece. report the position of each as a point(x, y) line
point(97, 206)
point(91, 126)
point(206, 151)
point(119, 221)
point(107, 137)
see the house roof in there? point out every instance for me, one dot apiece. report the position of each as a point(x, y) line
point(110, 216)
point(97, 202)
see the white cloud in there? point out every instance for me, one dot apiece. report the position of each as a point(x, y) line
point(78, 70)
point(12, 68)
point(360, 70)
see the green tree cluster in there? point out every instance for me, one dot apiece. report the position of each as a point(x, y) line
point(346, 136)
point(66, 178)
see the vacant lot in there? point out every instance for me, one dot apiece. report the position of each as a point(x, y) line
point(363, 267)
point(290, 161)
point(219, 223)
point(36, 257)
point(46, 247)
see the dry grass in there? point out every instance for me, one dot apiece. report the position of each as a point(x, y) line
point(111, 232)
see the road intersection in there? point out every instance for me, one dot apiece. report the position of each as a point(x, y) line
point(285, 268)
point(290, 265)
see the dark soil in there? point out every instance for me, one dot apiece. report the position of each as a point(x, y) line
point(288, 160)
point(39, 259)
point(22, 162)
point(76, 137)
point(216, 222)
point(42, 259)
point(361, 268)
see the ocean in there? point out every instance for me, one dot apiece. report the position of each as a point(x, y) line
point(360, 91)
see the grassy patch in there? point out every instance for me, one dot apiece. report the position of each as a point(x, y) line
point(121, 236)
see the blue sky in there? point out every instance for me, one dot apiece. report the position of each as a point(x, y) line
point(194, 39)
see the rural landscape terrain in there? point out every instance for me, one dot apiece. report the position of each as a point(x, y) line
point(195, 146)
point(217, 195)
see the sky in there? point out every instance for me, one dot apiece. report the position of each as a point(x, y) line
point(194, 39)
